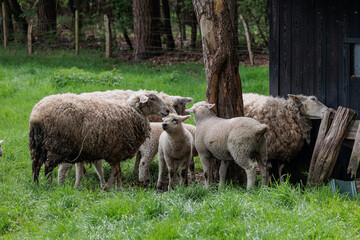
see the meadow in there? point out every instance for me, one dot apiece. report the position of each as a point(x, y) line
point(50, 211)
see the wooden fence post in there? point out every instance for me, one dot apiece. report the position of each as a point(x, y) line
point(248, 40)
point(4, 24)
point(107, 36)
point(29, 35)
point(77, 32)
point(328, 146)
point(355, 156)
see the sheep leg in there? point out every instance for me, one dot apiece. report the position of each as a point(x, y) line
point(264, 171)
point(137, 162)
point(162, 166)
point(263, 163)
point(49, 166)
point(118, 177)
point(280, 169)
point(172, 172)
point(246, 163)
point(115, 171)
point(222, 172)
point(100, 172)
point(205, 160)
point(146, 158)
point(64, 168)
point(184, 172)
point(79, 166)
point(192, 170)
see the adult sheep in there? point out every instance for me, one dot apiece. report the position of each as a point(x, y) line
point(237, 139)
point(176, 104)
point(288, 120)
point(72, 128)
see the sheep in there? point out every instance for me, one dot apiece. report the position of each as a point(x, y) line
point(73, 128)
point(149, 149)
point(237, 139)
point(288, 120)
point(176, 104)
point(1, 152)
point(175, 150)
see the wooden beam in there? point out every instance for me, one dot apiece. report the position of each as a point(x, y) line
point(355, 156)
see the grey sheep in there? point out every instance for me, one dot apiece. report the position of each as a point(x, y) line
point(176, 104)
point(237, 139)
point(1, 152)
point(72, 128)
point(149, 149)
point(175, 150)
point(288, 120)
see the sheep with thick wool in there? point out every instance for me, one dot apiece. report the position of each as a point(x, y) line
point(73, 128)
point(149, 149)
point(176, 104)
point(288, 120)
point(237, 139)
point(175, 150)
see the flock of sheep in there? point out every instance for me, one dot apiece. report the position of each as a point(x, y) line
point(116, 125)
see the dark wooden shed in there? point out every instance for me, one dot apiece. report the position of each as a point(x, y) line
point(315, 50)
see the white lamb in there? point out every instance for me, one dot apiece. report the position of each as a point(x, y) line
point(175, 150)
point(237, 139)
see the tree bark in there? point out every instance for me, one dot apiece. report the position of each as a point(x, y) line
point(221, 60)
point(248, 41)
point(147, 40)
point(16, 11)
point(47, 17)
point(193, 30)
point(170, 43)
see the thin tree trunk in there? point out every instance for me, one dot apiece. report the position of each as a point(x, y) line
point(193, 30)
point(16, 11)
point(170, 44)
point(248, 41)
point(220, 58)
point(127, 39)
point(47, 17)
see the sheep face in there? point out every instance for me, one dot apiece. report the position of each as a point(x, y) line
point(150, 104)
point(1, 141)
point(201, 110)
point(314, 109)
point(179, 104)
point(173, 122)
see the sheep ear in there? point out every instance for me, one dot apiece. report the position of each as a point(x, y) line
point(1, 141)
point(184, 118)
point(189, 110)
point(187, 100)
point(144, 98)
point(210, 106)
point(292, 96)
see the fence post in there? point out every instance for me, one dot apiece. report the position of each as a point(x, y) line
point(4, 24)
point(29, 35)
point(107, 37)
point(77, 32)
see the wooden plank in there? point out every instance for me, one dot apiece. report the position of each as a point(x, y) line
point(355, 156)
point(323, 129)
point(274, 48)
point(352, 130)
point(285, 42)
point(328, 151)
point(297, 46)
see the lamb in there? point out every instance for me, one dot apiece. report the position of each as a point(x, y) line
point(1, 142)
point(72, 128)
point(176, 104)
point(175, 149)
point(237, 139)
point(148, 150)
point(288, 121)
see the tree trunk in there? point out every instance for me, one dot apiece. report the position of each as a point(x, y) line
point(221, 60)
point(127, 39)
point(16, 11)
point(170, 43)
point(193, 30)
point(248, 41)
point(47, 17)
point(147, 40)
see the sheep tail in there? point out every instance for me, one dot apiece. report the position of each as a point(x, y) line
point(38, 154)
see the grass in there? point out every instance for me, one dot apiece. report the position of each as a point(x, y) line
point(49, 211)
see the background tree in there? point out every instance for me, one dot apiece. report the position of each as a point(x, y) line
point(170, 42)
point(47, 16)
point(220, 58)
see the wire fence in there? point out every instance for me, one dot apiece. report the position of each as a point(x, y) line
point(92, 36)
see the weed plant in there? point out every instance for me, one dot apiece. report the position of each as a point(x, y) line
point(49, 211)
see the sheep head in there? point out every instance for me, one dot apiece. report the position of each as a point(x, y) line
point(201, 110)
point(173, 122)
point(149, 104)
point(313, 108)
point(179, 104)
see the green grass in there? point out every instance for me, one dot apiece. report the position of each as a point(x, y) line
point(49, 211)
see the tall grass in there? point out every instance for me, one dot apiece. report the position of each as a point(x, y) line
point(49, 211)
